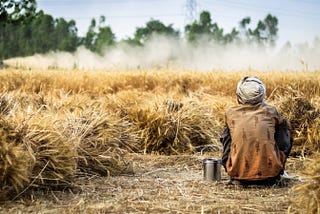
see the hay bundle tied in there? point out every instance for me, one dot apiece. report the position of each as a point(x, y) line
point(101, 142)
point(55, 154)
point(307, 194)
point(304, 118)
point(174, 127)
point(16, 161)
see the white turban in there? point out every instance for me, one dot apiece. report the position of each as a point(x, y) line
point(251, 90)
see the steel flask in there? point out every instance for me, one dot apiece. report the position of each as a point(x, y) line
point(212, 169)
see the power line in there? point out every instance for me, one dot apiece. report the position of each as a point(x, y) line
point(103, 1)
point(72, 2)
point(130, 16)
point(255, 7)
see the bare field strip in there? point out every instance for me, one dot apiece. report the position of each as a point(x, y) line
point(160, 184)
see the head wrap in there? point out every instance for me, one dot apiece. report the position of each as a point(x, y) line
point(250, 90)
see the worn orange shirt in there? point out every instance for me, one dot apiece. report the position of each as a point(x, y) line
point(253, 151)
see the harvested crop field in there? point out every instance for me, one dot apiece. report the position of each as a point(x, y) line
point(160, 184)
point(78, 141)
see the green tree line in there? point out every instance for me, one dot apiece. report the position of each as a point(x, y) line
point(25, 31)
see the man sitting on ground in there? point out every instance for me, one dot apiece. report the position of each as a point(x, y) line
point(256, 140)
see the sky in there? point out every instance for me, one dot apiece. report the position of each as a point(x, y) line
point(298, 20)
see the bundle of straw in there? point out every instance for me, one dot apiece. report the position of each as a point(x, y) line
point(55, 155)
point(101, 142)
point(313, 135)
point(16, 161)
point(20, 101)
point(298, 110)
point(302, 115)
point(307, 194)
point(174, 127)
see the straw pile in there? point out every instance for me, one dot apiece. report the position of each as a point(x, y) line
point(313, 135)
point(54, 153)
point(5, 104)
point(101, 141)
point(307, 194)
point(304, 119)
point(15, 104)
point(174, 127)
point(57, 146)
point(16, 161)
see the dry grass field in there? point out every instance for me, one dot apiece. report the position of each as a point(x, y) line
point(112, 141)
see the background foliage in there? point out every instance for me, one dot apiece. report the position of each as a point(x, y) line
point(25, 31)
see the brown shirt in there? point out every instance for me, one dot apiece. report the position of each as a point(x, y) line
point(253, 152)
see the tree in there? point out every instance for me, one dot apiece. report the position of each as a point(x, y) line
point(244, 31)
point(271, 23)
point(88, 41)
point(16, 10)
point(99, 37)
point(105, 36)
point(13, 12)
point(205, 27)
point(65, 37)
point(231, 37)
point(265, 32)
point(24, 34)
point(258, 32)
point(143, 34)
point(43, 27)
point(39, 33)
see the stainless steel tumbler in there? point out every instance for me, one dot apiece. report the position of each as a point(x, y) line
point(212, 169)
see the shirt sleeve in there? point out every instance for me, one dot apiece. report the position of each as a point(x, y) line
point(283, 134)
point(225, 139)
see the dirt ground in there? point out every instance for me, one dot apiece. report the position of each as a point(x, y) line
point(160, 184)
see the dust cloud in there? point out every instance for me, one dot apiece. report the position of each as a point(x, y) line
point(163, 52)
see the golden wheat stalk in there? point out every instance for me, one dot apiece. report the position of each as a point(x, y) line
point(307, 194)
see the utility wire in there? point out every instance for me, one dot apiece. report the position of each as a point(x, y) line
point(254, 7)
point(130, 16)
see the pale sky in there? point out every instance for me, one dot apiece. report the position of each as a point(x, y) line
point(299, 21)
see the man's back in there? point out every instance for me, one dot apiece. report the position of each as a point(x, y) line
point(253, 152)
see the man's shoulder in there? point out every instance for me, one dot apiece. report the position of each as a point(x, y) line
point(258, 107)
point(269, 107)
point(233, 108)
